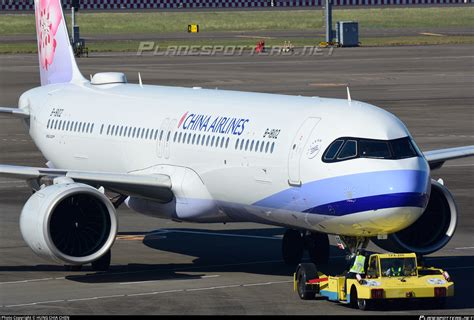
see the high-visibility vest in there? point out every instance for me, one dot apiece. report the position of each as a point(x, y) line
point(397, 272)
point(358, 266)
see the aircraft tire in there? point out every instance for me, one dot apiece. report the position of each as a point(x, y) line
point(317, 245)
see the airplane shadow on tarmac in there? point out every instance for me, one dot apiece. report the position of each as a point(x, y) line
point(254, 251)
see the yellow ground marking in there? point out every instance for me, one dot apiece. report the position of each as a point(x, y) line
point(432, 34)
point(130, 237)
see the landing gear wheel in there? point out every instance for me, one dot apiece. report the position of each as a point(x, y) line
point(317, 245)
point(306, 271)
point(103, 263)
point(73, 267)
point(292, 247)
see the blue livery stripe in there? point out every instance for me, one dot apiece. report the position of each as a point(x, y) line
point(384, 201)
point(354, 193)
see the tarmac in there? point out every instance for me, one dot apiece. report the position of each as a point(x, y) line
point(165, 267)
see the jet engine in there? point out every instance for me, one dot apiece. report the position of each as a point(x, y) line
point(69, 223)
point(431, 231)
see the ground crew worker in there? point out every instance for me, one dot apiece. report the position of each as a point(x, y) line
point(358, 267)
point(395, 270)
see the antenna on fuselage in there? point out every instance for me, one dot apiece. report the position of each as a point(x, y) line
point(140, 80)
point(348, 94)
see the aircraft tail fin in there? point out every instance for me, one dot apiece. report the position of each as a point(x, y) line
point(56, 58)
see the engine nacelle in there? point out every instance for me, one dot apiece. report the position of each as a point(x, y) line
point(432, 230)
point(70, 223)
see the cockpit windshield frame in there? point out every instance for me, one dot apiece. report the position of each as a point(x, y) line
point(395, 149)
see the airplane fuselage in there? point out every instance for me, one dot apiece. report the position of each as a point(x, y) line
point(235, 156)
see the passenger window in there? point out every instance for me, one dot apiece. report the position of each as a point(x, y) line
point(142, 133)
point(49, 121)
point(108, 129)
point(236, 144)
point(92, 128)
point(76, 124)
point(349, 150)
point(256, 145)
point(262, 146)
point(247, 144)
point(242, 144)
point(189, 138)
point(87, 127)
point(101, 128)
point(198, 139)
point(227, 143)
point(222, 142)
point(251, 145)
point(175, 136)
point(267, 146)
point(179, 137)
point(134, 131)
point(161, 135)
point(212, 141)
point(273, 147)
point(156, 134)
point(208, 140)
point(194, 138)
point(168, 136)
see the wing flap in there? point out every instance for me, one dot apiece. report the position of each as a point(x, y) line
point(156, 186)
point(436, 158)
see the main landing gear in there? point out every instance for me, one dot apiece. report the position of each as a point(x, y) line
point(296, 242)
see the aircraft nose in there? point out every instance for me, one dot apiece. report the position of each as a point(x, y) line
point(410, 188)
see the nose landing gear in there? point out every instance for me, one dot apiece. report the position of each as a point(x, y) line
point(295, 243)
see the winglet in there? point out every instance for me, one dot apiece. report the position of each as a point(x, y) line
point(348, 94)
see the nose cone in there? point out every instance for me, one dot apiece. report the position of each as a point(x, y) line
point(407, 188)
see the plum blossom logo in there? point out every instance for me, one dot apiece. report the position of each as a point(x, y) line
point(48, 18)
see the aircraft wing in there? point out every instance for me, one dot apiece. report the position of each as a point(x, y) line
point(436, 158)
point(14, 112)
point(156, 187)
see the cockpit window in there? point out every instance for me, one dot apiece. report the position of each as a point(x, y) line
point(374, 149)
point(403, 148)
point(350, 148)
point(333, 149)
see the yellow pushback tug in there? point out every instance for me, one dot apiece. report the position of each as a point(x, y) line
point(388, 276)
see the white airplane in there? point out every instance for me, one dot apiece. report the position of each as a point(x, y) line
point(315, 166)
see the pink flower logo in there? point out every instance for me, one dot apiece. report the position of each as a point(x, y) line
point(48, 18)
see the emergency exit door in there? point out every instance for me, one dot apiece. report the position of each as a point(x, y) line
point(296, 150)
